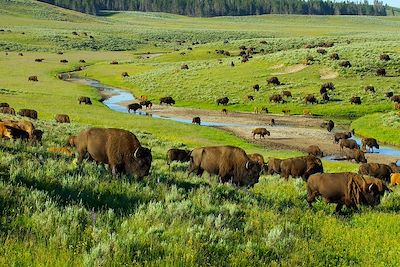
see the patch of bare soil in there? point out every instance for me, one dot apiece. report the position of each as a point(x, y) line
point(291, 69)
point(328, 74)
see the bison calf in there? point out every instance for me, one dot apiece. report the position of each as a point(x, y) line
point(175, 154)
point(260, 131)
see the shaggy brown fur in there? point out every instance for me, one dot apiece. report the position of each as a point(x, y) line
point(349, 143)
point(355, 154)
point(85, 100)
point(377, 170)
point(28, 113)
point(260, 131)
point(7, 110)
point(274, 166)
point(314, 151)
point(301, 167)
point(62, 118)
point(175, 154)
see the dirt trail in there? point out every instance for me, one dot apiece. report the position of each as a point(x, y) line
point(328, 74)
point(289, 133)
point(291, 69)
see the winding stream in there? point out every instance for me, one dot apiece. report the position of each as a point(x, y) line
point(117, 96)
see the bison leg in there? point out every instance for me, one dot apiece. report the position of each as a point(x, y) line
point(339, 207)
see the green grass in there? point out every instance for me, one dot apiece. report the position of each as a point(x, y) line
point(54, 213)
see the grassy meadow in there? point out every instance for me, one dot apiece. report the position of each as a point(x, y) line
point(55, 213)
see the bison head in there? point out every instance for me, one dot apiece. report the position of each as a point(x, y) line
point(361, 157)
point(373, 190)
point(141, 162)
point(251, 173)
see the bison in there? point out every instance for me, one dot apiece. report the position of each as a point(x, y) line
point(26, 126)
point(325, 97)
point(167, 100)
point(175, 154)
point(250, 98)
point(256, 87)
point(328, 85)
point(274, 166)
point(118, 148)
point(371, 143)
point(381, 72)
point(287, 94)
point(63, 61)
point(394, 179)
point(314, 151)
point(33, 78)
point(369, 89)
point(355, 154)
point(274, 80)
point(7, 110)
point(355, 100)
point(134, 107)
point(310, 99)
point(4, 105)
point(124, 74)
point(228, 162)
point(62, 118)
point(377, 170)
point(301, 167)
point(339, 136)
point(395, 98)
point(28, 113)
point(384, 57)
point(85, 100)
point(345, 188)
point(184, 67)
point(223, 101)
point(389, 94)
point(345, 64)
point(196, 120)
point(276, 98)
point(71, 141)
point(146, 103)
point(224, 111)
point(348, 143)
point(330, 125)
point(260, 131)
point(334, 56)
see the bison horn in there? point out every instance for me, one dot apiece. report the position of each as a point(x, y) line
point(247, 165)
point(370, 187)
point(136, 151)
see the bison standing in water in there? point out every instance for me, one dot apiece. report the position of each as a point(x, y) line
point(301, 167)
point(345, 188)
point(196, 120)
point(62, 118)
point(118, 148)
point(355, 154)
point(370, 142)
point(349, 143)
point(228, 162)
point(134, 107)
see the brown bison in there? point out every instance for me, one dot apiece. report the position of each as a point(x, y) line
point(39, 59)
point(287, 94)
point(371, 143)
point(147, 103)
point(118, 148)
point(272, 122)
point(260, 131)
point(124, 74)
point(384, 57)
point(389, 94)
point(355, 154)
point(276, 98)
point(311, 99)
point(274, 166)
point(339, 136)
point(26, 126)
point(395, 98)
point(28, 113)
point(348, 143)
point(223, 101)
point(10, 132)
point(184, 67)
point(256, 87)
point(82, 61)
point(356, 100)
point(175, 154)
point(134, 107)
point(325, 97)
point(228, 162)
point(114, 62)
point(71, 141)
point(377, 170)
point(274, 80)
point(250, 98)
point(334, 56)
point(196, 120)
point(33, 78)
point(314, 151)
point(369, 89)
point(257, 158)
point(4, 105)
point(167, 100)
point(301, 167)
point(85, 100)
point(330, 125)
point(7, 110)
point(328, 85)
point(63, 61)
point(345, 64)
point(345, 188)
point(62, 118)
point(381, 72)
point(224, 111)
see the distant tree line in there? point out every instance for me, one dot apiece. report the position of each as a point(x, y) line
point(208, 8)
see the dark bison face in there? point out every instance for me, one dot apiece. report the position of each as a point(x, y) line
point(252, 173)
point(361, 157)
point(374, 190)
point(141, 162)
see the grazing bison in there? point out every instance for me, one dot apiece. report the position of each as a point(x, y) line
point(339, 136)
point(311, 99)
point(355, 154)
point(395, 98)
point(62, 118)
point(60, 150)
point(334, 56)
point(321, 51)
point(196, 120)
point(323, 91)
point(287, 93)
point(272, 122)
point(274, 80)
point(114, 62)
point(4, 105)
point(301, 167)
point(314, 151)
point(355, 100)
point(256, 87)
point(118, 148)
point(71, 141)
point(371, 143)
point(124, 74)
point(26, 126)
point(146, 103)
point(7, 110)
point(325, 97)
point(389, 94)
point(394, 179)
point(12, 132)
point(369, 89)
point(63, 61)
point(274, 166)
point(345, 188)
point(259, 159)
point(250, 98)
point(134, 107)
point(276, 98)
point(384, 57)
point(82, 61)
point(167, 100)
point(228, 162)
point(328, 85)
point(33, 78)
point(260, 131)
point(330, 125)
point(39, 59)
point(223, 101)
point(85, 100)
point(348, 143)
point(184, 67)
point(345, 64)
point(37, 136)
point(28, 113)
point(180, 155)
point(381, 72)
point(377, 170)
